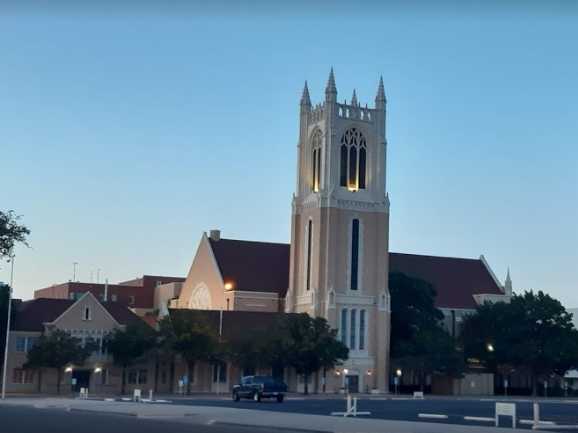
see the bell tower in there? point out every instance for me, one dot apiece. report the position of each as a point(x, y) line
point(340, 231)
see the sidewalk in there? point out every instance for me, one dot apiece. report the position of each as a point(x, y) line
point(275, 420)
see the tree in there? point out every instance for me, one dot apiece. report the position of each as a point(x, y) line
point(57, 350)
point(311, 345)
point(128, 346)
point(533, 332)
point(11, 233)
point(419, 342)
point(194, 340)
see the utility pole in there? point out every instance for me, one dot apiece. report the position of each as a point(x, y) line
point(74, 266)
point(7, 341)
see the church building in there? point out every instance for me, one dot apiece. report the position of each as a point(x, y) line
point(338, 261)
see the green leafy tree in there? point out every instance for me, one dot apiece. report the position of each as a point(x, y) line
point(129, 346)
point(11, 233)
point(194, 340)
point(57, 350)
point(532, 333)
point(311, 344)
point(419, 341)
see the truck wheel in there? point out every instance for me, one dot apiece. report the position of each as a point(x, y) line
point(257, 396)
point(280, 398)
point(236, 397)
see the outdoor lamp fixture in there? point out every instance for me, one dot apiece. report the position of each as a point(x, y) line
point(228, 285)
point(345, 371)
point(398, 372)
point(68, 369)
point(369, 372)
point(351, 187)
point(98, 370)
point(490, 347)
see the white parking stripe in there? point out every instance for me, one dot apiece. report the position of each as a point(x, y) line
point(432, 415)
point(479, 418)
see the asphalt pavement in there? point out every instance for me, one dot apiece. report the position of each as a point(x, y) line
point(18, 419)
point(406, 409)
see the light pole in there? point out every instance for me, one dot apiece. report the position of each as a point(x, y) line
point(74, 266)
point(7, 340)
point(396, 379)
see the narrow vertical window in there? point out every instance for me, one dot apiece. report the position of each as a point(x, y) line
point(361, 329)
point(353, 331)
point(314, 169)
point(318, 170)
point(344, 326)
point(354, 254)
point(362, 168)
point(343, 172)
point(308, 282)
point(352, 168)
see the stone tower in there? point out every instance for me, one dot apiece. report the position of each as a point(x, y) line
point(340, 231)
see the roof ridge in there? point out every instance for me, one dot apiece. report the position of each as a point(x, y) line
point(248, 241)
point(437, 257)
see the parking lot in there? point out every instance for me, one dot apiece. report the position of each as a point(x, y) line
point(443, 410)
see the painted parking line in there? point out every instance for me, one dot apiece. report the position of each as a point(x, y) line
point(432, 415)
point(531, 422)
point(479, 418)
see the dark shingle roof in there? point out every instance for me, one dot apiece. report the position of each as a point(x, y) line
point(253, 266)
point(262, 266)
point(455, 280)
point(31, 315)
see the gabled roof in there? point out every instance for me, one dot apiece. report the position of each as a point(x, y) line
point(456, 280)
point(263, 266)
point(31, 315)
point(253, 266)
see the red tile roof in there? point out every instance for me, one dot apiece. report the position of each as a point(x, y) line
point(455, 280)
point(253, 266)
point(262, 266)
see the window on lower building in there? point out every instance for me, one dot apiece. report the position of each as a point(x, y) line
point(86, 314)
point(20, 344)
point(22, 376)
point(353, 332)
point(163, 377)
point(113, 297)
point(343, 326)
point(142, 377)
point(249, 371)
point(132, 377)
point(131, 300)
point(104, 380)
point(220, 372)
point(361, 329)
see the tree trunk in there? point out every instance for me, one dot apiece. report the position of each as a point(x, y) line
point(306, 380)
point(39, 380)
point(58, 378)
point(190, 369)
point(172, 375)
point(123, 382)
point(156, 383)
point(324, 386)
point(534, 385)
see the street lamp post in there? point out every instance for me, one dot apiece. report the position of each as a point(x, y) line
point(396, 379)
point(7, 340)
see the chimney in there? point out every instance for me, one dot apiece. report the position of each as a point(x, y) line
point(215, 235)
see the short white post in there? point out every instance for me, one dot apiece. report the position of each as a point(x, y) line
point(136, 396)
point(150, 394)
point(536, 415)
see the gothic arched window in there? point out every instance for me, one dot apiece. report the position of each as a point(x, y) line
point(353, 160)
point(316, 140)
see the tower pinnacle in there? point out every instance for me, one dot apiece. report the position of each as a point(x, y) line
point(305, 99)
point(508, 284)
point(330, 89)
point(354, 99)
point(380, 97)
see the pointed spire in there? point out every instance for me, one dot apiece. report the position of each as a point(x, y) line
point(354, 99)
point(380, 97)
point(305, 99)
point(508, 283)
point(330, 89)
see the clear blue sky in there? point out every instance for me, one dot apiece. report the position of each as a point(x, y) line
point(124, 134)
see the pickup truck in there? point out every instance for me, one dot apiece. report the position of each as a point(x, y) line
point(258, 387)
